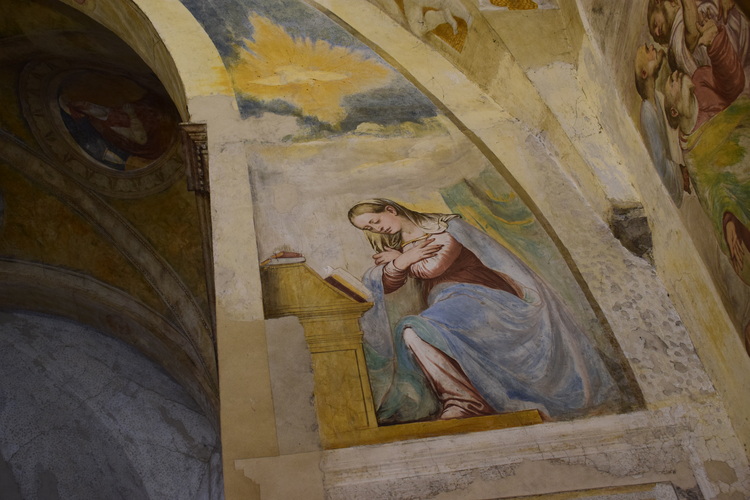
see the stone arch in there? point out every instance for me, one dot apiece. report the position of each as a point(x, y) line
point(179, 338)
point(46, 289)
point(530, 145)
point(170, 41)
point(195, 342)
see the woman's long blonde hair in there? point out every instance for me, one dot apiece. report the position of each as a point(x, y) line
point(429, 222)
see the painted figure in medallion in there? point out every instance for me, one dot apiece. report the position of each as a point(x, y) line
point(116, 120)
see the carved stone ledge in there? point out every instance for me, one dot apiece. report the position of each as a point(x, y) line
point(195, 150)
point(195, 147)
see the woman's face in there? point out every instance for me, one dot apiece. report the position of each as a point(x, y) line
point(386, 222)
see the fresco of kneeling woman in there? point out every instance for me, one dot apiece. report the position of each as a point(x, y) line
point(489, 337)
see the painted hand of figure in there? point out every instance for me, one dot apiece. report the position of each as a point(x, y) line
point(708, 31)
point(422, 250)
point(737, 248)
point(386, 256)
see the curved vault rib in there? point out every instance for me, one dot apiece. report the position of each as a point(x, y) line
point(52, 290)
point(193, 324)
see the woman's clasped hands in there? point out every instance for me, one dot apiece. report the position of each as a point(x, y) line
point(402, 260)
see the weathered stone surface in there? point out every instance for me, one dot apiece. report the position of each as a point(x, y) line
point(85, 416)
point(630, 225)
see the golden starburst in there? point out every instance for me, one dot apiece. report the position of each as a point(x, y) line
point(314, 76)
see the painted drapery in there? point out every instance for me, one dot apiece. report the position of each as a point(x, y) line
point(520, 353)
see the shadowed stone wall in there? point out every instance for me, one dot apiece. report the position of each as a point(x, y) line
point(86, 416)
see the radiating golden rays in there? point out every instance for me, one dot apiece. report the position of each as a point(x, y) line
point(312, 75)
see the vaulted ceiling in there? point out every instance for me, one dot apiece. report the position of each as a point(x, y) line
point(98, 224)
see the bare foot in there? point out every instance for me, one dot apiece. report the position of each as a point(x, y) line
point(450, 412)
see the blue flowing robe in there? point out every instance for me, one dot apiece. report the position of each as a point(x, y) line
point(519, 353)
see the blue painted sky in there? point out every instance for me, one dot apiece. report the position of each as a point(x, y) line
point(226, 22)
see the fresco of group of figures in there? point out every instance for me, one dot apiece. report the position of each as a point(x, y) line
point(353, 168)
point(693, 76)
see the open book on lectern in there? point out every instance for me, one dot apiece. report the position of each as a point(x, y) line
point(341, 279)
point(344, 281)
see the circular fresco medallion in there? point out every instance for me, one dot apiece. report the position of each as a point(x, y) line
point(114, 120)
point(116, 133)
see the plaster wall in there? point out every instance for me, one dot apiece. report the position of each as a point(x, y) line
point(167, 37)
point(629, 291)
point(683, 436)
point(86, 416)
point(710, 297)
